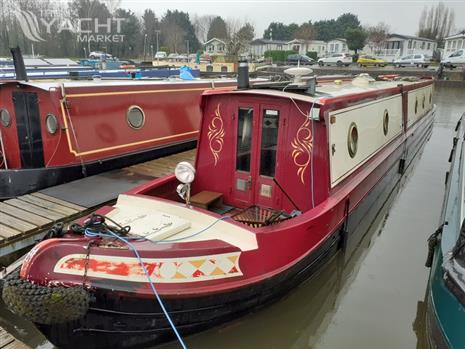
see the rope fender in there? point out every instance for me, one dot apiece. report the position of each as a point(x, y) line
point(44, 305)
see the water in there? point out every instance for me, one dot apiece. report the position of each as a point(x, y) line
point(375, 300)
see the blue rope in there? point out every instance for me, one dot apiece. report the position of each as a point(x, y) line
point(152, 285)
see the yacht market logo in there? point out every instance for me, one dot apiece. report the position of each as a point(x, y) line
point(87, 29)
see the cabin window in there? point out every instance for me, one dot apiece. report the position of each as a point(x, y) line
point(430, 98)
point(135, 117)
point(269, 143)
point(416, 105)
point(5, 118)
point(244, 139)
point(352, 140)
point(386, 122)
point(51, 123)
point(423, 102)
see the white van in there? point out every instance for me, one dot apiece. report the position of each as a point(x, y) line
point(455, 58)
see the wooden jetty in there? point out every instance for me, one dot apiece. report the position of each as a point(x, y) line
point(25, 219)
point(7, 341)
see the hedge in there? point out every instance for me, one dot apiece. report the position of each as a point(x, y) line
point(278, 55)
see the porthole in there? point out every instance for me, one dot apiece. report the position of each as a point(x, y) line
point(385, 122)
point(51, 123)
point(224, 69)
point(423, 102)
point(352, 140)
point(135, 117)
point(416, 105)
point(5, 118)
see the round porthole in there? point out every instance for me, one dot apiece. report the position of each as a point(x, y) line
point(386, 122)
point(416, 105)
point(423, 102)
point(135, 117)
point(352, 140)
point(51, 123)
point(5, 118)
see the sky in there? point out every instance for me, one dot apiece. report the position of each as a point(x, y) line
point(401, 16)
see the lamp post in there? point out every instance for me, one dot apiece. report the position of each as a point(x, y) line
point(145, 42)
point(157, 32)
point(85, 52)
point(187, 41)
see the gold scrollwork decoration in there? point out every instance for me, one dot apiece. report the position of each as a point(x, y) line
point(216, 134)
point(302, 145)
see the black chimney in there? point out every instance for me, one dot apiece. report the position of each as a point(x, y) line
point(243, 75)
point(20, 68)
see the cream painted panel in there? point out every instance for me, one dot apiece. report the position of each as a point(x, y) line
point(418, 95)
point(369, 121)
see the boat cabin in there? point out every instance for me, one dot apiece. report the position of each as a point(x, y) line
point(269, 154)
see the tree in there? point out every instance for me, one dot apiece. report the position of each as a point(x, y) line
point(332, 29)
point(201, 26)
point(306, 32)
point(355, 38)
point(133, 42)
point(179, 22)
point(217, 29)
point(377, 34)
point(240, 40)
point(280, 31)
point(150, 26)
point(436, 23)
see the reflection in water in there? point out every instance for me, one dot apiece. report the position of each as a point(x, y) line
point(374, 299)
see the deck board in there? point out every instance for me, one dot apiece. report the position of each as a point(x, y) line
point(35, 209)
point(16, 223)
point(7, 233)
point(48, 205)
point(24, 215)
point(58, 201)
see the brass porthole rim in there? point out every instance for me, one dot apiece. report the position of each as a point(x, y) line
point(135, 106)
point(352, 145)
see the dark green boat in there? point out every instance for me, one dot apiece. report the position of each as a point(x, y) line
point(446, 287)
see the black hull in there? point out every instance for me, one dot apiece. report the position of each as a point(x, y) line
point(19, 182)
point(119, 322)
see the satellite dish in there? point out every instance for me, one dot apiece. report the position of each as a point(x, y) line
point(298, 73)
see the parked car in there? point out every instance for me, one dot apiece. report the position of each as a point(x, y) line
point(419, 60)
point(182, 57)
point(455, 58)
point(100, 55)
point(296, 59)
point(338, 59)
point(161, 55)
point(366, 60)
point(173, 56)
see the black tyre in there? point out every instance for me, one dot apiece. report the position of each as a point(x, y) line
point(339, 63)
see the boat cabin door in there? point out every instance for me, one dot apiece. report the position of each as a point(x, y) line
point(256, 155)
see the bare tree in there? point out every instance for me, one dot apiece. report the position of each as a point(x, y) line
point(202, 25)
point(377, 35)
point(239, 40)
point(173, 36)
point(436, 23)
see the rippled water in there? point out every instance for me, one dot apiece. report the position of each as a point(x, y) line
point(373, 301)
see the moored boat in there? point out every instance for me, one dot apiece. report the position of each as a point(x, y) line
point(58, 131)
point(284, 177)
point(445, 315)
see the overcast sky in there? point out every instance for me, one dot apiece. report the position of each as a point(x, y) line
point(401, 16)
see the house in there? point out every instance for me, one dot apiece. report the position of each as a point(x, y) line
point(258, 47)
point(337, 45)
point(453, 43)
point(397, 45)
point(304, 46)
point(215, 47)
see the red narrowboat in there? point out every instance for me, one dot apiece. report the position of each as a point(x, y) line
point(58, 131)
point(284, 178)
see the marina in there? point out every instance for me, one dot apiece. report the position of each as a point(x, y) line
point(189, 177)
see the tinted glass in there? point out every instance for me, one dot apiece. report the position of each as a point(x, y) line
point(269, 143)
point(244, 139)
